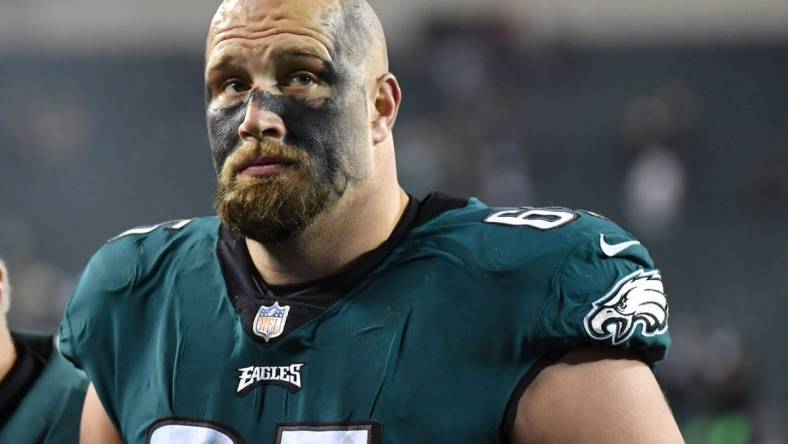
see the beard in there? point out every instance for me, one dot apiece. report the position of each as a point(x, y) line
point(275, 208)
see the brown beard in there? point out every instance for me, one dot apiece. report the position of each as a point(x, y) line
point(272, 209)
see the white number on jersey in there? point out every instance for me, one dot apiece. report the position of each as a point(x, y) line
point(188, 434)
point(327, 437)
point(540, 218)
point(172, 225)
point(175, 431)
point(328, 434)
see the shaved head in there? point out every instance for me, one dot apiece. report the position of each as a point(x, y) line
point(346, 27)
point(359, 19)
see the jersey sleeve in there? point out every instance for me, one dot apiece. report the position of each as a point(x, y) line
point(89, 317)
point(97, 318)
point(607, 292)
point(111, 317)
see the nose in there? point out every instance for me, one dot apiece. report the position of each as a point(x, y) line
point(260, 123)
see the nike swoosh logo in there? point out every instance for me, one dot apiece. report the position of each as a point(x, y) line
point(615, 249)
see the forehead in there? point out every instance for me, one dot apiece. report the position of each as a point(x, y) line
point(247, 21)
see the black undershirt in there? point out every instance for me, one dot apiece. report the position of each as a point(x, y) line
point(248, 291)
point(13, 388)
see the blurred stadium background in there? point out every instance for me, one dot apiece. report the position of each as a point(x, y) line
point(671, 117)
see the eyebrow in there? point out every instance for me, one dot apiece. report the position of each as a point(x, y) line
point(301, 52)
point(228, 60)
point(225, 61)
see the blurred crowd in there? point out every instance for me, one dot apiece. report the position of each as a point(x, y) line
point(685, 147)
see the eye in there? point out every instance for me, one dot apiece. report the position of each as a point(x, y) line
point(303, 79)
point(234, 86)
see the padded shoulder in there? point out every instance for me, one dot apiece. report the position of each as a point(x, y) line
point(593, 282)
point(501, 239)
point(119, 269)
point(130, 256)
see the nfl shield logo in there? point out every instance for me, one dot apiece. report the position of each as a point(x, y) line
point(270, 321)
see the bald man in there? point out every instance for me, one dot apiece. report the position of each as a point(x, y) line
point(41, 393)
point(324, 304)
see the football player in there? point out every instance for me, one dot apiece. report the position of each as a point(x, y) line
point(326, 305)
point(41, 394)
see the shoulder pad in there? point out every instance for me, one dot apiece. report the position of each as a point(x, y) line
point(121, 266)
point(513, 237)
point(130, 254)
point(598, 283)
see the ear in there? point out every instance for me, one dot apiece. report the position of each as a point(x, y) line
point(387, 99)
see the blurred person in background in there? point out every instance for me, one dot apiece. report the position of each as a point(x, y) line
point(41, 393)
point(325, 304)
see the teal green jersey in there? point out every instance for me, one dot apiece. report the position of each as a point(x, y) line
point(41, 398)
point(430, 338)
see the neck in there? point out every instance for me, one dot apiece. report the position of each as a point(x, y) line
point(7, 350)
point(356, 225)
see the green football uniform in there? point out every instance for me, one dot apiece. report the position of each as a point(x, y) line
point(41, 398)
point(431, 338)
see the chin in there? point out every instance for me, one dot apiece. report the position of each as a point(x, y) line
point(273, 210)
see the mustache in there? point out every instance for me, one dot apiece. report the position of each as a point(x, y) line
point(259, 152)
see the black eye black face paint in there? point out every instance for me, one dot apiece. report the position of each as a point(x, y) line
point(322, 131)
point(322, 128)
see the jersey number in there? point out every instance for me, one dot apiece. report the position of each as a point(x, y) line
point(172, 225)
point(194, 432)
point(540, 218)
point(179, 431)
point(328, 434)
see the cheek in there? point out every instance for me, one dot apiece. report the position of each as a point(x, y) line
point(223, 124)
point(353, 135)
point(336, 126)
point(327, 133)
point(313, 129)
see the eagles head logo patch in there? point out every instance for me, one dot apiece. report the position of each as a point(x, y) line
point(637, 299)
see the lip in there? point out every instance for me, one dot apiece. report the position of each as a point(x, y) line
point(266, 166)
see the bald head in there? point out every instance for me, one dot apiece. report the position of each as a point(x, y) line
point(348, 29)
point(358, 20)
